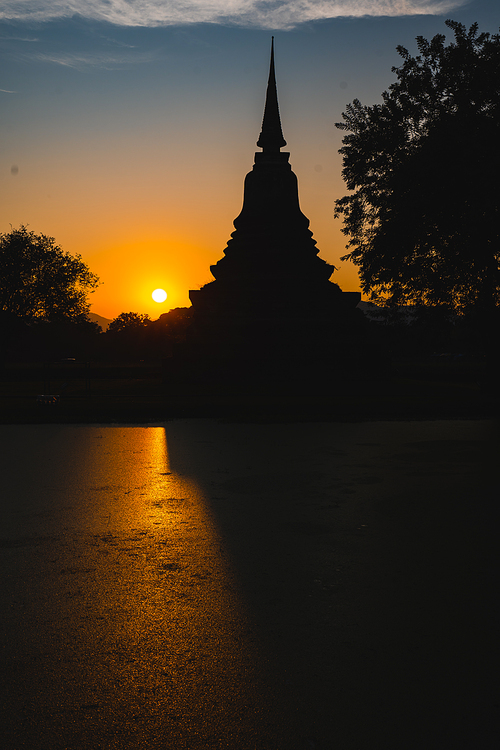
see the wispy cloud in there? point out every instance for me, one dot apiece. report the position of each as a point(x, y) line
point(267, 14)
point(6, 91)
point(82, 60)
point(10, 38)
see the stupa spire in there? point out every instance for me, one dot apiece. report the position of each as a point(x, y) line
point(249, 313)
point(271, 137)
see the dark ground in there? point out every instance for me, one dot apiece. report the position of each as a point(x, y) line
point(424, 388)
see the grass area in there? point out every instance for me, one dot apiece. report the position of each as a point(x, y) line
point(143, 393)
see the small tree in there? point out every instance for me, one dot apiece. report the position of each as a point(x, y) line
point(127, 322)
point(38, 281)
point(423, 213)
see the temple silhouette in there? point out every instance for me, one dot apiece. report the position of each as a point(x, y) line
point(272, 303)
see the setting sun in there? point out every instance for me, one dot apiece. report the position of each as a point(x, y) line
point(159, 295)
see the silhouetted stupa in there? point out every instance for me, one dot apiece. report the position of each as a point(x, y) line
point(272, 296)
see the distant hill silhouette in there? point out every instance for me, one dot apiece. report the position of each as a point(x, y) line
point(103, 322)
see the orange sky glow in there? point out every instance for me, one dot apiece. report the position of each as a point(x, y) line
point(144, 215)
point(129, 143)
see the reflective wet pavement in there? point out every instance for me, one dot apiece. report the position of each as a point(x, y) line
point(207, 585)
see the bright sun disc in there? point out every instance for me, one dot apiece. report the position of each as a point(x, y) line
point(159, 295)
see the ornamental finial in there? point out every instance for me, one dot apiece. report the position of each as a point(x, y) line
point(271, 136)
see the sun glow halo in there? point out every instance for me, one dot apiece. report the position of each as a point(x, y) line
point(159, 295)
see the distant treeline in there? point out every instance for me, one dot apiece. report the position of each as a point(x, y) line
point(130, 336)
point(133, 337)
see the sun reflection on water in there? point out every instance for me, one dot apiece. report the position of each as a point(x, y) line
point(169, 623)
point(128, 605)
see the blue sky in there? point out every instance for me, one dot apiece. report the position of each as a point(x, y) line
point(127, 128)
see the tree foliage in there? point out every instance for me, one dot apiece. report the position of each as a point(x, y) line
point(130, 321)
point(175, 323)
point(423, 167)
point(38, 281)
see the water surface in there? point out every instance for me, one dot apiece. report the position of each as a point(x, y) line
point(200, 584)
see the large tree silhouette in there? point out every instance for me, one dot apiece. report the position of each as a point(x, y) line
point(41, 282)
point(423, 169)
